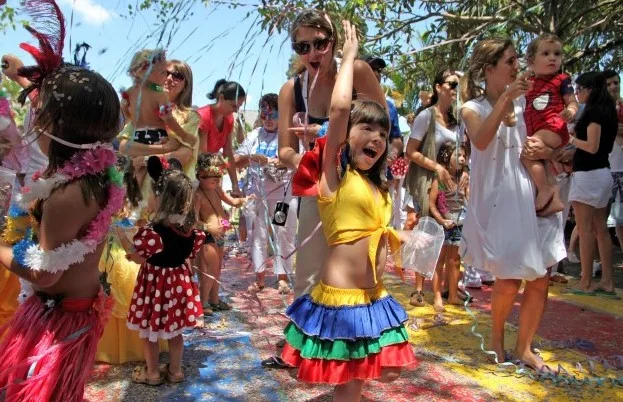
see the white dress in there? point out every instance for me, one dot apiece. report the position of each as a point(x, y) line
point(501, 232)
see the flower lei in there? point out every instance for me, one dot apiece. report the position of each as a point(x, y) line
point(218, 170)
point(21, 229)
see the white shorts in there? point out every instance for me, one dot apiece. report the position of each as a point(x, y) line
point(593, 188)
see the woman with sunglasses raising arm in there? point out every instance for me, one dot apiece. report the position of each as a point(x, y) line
point(308, 94)
point(433, 126)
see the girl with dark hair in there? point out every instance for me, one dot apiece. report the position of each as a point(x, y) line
point(591, 184)
point(348, 329)
point(269, 180)
point(446, 205)
point(432, 127)
point(501, 232)
point(314, 39)
point(51, 341)
point(217, 124)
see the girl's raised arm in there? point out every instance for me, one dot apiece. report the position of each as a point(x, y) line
point(339, 113)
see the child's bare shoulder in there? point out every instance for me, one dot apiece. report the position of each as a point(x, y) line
point(69, 200)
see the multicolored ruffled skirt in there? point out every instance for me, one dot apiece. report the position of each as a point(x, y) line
point(338, 335)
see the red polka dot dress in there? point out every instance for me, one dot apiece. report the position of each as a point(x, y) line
point(165, 300)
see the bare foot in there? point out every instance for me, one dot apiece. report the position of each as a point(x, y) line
point(456, 302)
point(548, 201)
point(438, 303)
point(533, 361)
point(499, 350)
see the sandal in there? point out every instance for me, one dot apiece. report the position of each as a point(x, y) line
point(255, 288)
point(284, 288)
point(608, 294)
point(139, 376)
point(207, 310)
point(558, 278)
point(173, 378)
point(417, 299)
point(275, 362)
point(220, 306)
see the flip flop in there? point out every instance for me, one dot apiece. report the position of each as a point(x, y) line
point(579, 292)
point(275, 362)
point(606, 294)
point(545, 369)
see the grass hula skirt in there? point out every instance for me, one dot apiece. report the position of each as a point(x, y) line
point(49, 347)
point(338, 335)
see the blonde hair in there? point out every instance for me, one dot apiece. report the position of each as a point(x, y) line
point(185, 98)
point(486, 53)
point(533, 47)
point(142, 60)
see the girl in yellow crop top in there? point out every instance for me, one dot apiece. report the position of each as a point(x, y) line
point(349, 329)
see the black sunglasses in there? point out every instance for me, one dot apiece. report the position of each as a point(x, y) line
point(303, 48)
point(452, 84)
point(175, 75)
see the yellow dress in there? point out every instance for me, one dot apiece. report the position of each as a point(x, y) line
point(9, 290)
point(119, 344)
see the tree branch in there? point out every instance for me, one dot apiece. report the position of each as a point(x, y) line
point(604, 47)
point(402, 25)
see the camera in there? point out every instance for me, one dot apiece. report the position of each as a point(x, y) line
point(281, 214)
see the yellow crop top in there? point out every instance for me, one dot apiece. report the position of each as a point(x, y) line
point(355, 212)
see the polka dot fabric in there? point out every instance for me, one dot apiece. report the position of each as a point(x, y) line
point(165, 301)
point(399, 168)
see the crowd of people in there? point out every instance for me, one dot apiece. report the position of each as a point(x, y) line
point(327, 179)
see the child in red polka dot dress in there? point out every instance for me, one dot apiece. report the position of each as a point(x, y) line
point(166, 301)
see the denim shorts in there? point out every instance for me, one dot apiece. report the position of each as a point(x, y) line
point(453, 236)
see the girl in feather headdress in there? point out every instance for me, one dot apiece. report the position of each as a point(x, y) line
point(50, 344)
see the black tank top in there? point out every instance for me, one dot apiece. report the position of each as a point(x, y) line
point(299, 103)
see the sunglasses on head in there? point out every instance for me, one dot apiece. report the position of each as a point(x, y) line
point(176, 76)
point(302, 48)
point(452, 84)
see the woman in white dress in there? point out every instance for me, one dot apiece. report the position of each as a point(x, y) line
point(501, 232)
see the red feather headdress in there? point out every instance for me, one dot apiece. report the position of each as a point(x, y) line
point(48, 27)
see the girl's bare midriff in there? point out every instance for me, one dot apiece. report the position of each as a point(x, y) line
point(81, 280)
point(348, 266)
